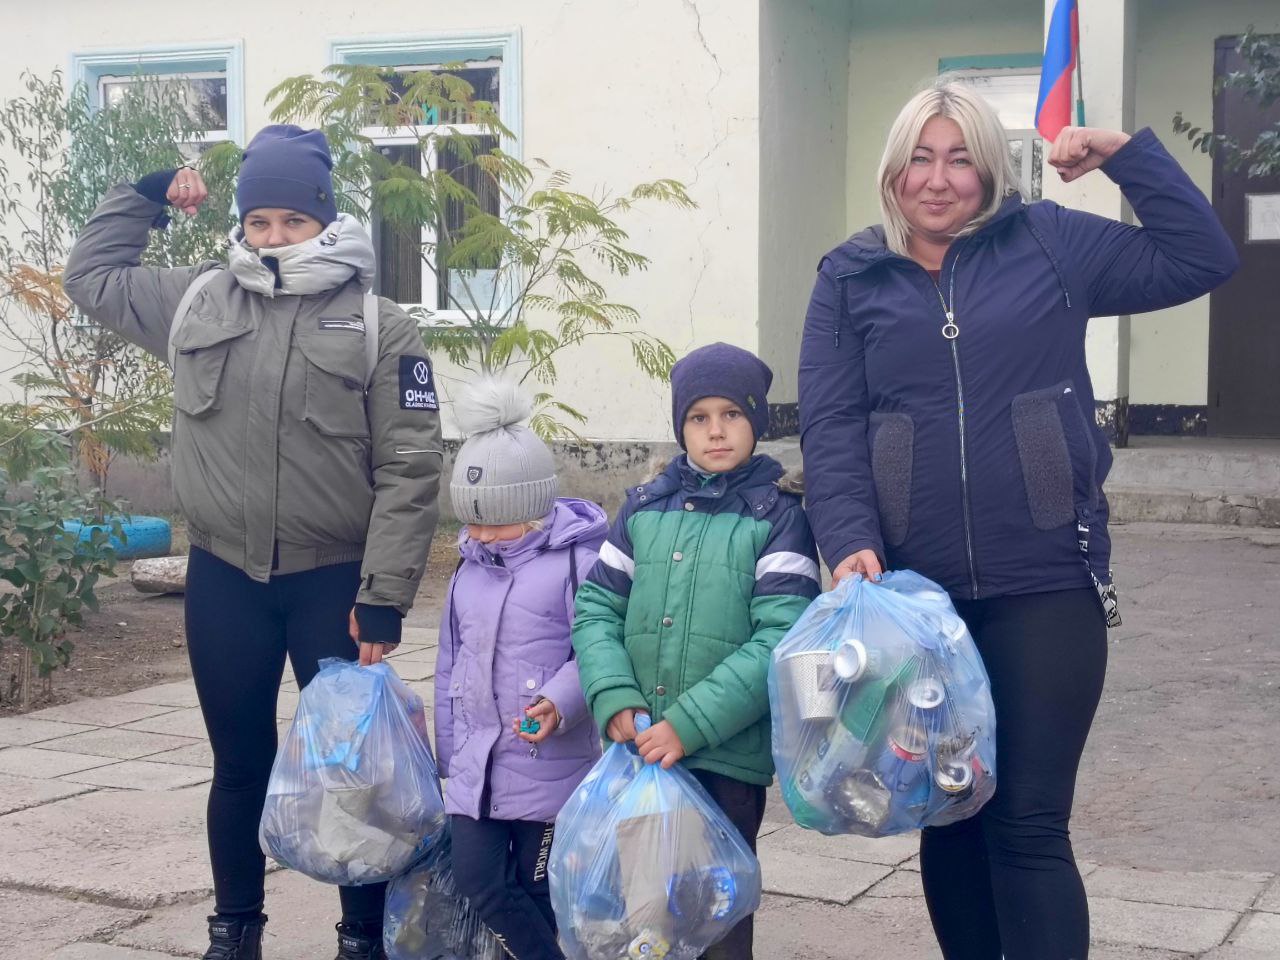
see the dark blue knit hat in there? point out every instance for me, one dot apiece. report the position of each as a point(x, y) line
point(287, 167)
point(721, 370)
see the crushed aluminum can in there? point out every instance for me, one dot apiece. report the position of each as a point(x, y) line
point(860, 797)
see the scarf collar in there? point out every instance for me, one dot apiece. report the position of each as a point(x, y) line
point(341, 251)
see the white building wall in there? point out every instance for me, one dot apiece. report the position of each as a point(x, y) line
point(616, 93)
point(804, 110)
point(1169, 350)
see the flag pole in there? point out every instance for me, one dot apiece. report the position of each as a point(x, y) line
point(1079, 72)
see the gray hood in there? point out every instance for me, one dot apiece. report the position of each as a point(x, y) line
point(322, 263)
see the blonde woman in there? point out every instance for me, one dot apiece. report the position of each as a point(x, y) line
point(948, 427)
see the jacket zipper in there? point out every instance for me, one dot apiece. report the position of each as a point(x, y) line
point(951, 331)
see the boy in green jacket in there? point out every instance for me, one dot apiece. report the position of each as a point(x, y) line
point(705, 568)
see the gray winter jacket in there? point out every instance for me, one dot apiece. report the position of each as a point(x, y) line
point(282, 461)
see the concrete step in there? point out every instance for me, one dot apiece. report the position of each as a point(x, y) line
point(1174, 479)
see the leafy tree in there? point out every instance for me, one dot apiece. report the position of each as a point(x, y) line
point(76, 377)
point(519, 254)
point(51, 571)
point(1259, 82)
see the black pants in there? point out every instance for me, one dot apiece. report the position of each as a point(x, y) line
point(501, 867)
point(743, 804)
point(238, 634)
point(1004, 882)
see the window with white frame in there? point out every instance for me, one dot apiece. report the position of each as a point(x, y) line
point(489, 64)
point(1012, 91)
point(402, 274)
point(204, 95)
point(210, 79)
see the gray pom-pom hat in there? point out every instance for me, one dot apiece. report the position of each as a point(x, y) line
point(504, 473)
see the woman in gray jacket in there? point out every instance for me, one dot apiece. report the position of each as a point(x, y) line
point(306, 460)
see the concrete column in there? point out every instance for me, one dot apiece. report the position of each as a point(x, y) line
point(1107, 64)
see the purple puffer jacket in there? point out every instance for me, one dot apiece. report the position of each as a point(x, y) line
point(504, 642)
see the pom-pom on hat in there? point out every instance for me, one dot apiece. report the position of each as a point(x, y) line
point(504, 473)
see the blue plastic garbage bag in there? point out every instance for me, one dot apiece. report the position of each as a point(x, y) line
point(427, 919)
point(354, 795)
point(645, 865)
point(882, 713)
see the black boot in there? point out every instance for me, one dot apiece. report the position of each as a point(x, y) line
point(235, 939)
point(355, 944)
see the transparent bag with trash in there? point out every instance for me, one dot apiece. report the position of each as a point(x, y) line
point(354, 795)
point(882, 714)
point(427, 919)
point(645, 865)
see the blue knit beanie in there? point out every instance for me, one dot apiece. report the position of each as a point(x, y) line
point(287, 167)
point(721, 370)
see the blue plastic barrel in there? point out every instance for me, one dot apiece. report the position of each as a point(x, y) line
point(144, 536)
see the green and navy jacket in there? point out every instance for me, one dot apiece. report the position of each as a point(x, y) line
point(698, 581)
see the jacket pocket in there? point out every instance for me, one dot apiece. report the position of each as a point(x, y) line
point(892, 462)
point(200, 357)
point(335, 384)
point(1057, 455)
point(529, 680)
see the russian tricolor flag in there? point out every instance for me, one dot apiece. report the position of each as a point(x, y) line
point(1061, 49)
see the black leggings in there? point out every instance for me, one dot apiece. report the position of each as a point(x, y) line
point(500, 866)
point(1004, 882)
point(238, 633)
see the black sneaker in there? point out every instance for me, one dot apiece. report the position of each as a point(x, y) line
point(354, 945)
point(235, 939)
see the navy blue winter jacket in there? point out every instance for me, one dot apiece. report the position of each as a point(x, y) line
point(972, 460)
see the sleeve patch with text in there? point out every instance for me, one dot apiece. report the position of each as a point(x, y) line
point(417, 384)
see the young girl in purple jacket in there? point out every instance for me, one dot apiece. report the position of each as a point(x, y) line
point(513, 735)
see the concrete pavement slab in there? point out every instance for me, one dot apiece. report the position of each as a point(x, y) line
point(199, 754)
point(100, 712)
point(1261, 931)
point(422, 636)
point(817, 878)
point(1223, 890)
point(1114, 952)
point(415, 654)
point(178, 723)
point(46, 764)
point(415, 669)
point(1270, 900)
point(23, 731)
point(179, 693)
point(131, 848)
point(791, 928)
point(142, 775)
point(302, 914)
point(41, 923)
point(118, 743)
point(21, 793)
point(889, 851)
point(900, 883)
point(105, 951)
point(1159, 926)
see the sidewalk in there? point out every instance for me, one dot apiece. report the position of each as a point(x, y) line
point(102, 849)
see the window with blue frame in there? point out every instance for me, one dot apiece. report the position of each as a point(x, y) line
point(413, 270)
point(210, 79)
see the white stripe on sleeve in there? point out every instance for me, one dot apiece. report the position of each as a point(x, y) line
point(611, 556)
point(787, 562)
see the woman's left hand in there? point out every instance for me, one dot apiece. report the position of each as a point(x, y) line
point(370, 653)
point(1081, 149)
